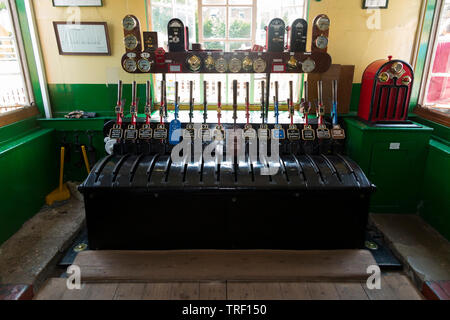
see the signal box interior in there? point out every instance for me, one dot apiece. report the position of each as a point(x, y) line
point(229, 150)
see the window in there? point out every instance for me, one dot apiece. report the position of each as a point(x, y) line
point(14, 83)
point(225, 25)
point(435, 93)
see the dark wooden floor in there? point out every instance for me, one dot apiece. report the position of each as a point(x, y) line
point(394, 286)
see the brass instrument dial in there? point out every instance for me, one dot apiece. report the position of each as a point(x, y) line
point(383, 77)
point(209, 63)
point(221, 65)
point(247, 64)
point(323, 23)
point(259, 65)
point(406, 80)
point(308, 65)
point(129, 23)
point(144, 65)
point(292, 63)
point(397, 67)
point(130, 65)
point(235, 65)
point(194, 63)
point(322, 42)
point(131, 42)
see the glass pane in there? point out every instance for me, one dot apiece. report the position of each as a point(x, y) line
point(240, 2)
point(160, 19)
point(214, 45)
point(283, 86)
point(240, 20)
point(209, 2)
point(240, 45)
point(242, 79)
point(212, 80)
point(438, 85)
point(288, 10)
point(183, 87)
point(13, 93)
point(214, 23)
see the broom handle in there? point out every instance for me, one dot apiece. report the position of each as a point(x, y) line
point(61, 169)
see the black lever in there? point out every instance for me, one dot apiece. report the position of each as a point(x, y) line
point(262, 101)
point(205, 102)
point(235, 105)
point(191, 101)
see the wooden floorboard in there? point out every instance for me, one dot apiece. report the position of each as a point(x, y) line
point(351, 291)
point(294, 291)
point(323, 291)
point(213, 291)
point(394, 287)
point(213, 265)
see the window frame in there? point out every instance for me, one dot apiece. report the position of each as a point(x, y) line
point(19, 48)
point(421, 109)
point(227, 7)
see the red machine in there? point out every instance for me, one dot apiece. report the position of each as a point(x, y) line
point(386, 92)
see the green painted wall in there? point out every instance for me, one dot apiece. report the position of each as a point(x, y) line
point(29, 170)
point(435, 206)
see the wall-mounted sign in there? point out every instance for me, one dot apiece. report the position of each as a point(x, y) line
point(375, 4)
point(86, 38)
point(77, 3)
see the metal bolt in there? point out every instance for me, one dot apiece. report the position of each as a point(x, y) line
point(80, 247)
point(371, 245)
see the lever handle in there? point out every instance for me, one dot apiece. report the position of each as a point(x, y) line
point(219, 94)
point(306, 91)
point(320, 92)
point(119, 92)
point(335, 90)
point(134, 92)
point(276, 91)
point(205, 101)
point(235, 93)
point(162, 92)
point(191, 100)
point(291, 93)
point(148, 93)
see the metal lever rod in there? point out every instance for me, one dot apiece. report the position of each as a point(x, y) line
point(219, 102)
point(148, 103)
point(205, 102)
point(334, 90)
point(262, 101)
point(119, 93)
point(276, 107)
point(191, 101)
point(161, 109)
point(235, 96)
point(247, 102)
point(133, 108)
point(176, 100)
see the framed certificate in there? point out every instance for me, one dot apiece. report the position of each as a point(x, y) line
point(375, 4)
point(77, 3)
point(86, 38)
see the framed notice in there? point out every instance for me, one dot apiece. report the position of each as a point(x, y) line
point(77, 3)
point(375, 4)
point(86, 38)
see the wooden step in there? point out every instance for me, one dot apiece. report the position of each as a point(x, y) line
point(217, 265)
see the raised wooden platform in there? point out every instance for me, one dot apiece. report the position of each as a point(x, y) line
point(393, 287)
point(215, 265)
